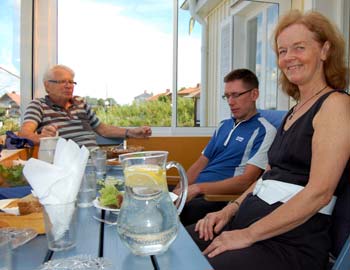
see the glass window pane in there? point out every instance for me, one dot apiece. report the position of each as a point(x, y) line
point(252, 44)
point(9, 65)
point(121, 52)
point(189, 69)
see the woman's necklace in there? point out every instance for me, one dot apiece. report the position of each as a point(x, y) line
point(295, 110)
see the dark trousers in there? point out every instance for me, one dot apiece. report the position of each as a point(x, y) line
point(197, 208)
point(294, 250)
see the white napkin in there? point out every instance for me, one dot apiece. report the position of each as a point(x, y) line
point(58, 183)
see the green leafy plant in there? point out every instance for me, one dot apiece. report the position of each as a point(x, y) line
point(156, 113)
point(110, 196)
point(12, 176)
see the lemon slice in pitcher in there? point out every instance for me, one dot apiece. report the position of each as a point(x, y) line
point(145, 176)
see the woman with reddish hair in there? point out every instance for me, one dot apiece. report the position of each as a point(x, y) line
point(283, 221)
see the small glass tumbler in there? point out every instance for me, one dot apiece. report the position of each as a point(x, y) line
point(60, 225)
point(47, 149)
point(87, 191)
point(99, 159)
point(5, 252)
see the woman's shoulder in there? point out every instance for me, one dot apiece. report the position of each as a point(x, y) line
point(335, 106)
point(337, 100)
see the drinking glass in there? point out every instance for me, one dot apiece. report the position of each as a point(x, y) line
point(87, 191)
point(5, 251)
point(47, 149)
point(60, 225)
point(99, 159)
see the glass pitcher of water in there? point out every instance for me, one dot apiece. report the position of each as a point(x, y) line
point(148, 220)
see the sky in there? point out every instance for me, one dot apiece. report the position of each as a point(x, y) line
point(120, 49)
point(9, 49)
point(117, 48)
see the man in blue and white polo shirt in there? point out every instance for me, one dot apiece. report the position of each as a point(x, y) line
point(236, 155)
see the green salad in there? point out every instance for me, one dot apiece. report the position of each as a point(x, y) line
point(12, 176)
point(110, 196)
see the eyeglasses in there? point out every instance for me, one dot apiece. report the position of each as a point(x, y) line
point(236, 95)
point(63, 82)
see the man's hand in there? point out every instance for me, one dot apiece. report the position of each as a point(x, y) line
point(193, 191)
point(140, 132)
point(49, 131)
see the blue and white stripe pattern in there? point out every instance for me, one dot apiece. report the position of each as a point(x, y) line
point(233, 146)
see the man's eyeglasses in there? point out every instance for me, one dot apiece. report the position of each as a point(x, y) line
point(63, 82)
point(236, 95)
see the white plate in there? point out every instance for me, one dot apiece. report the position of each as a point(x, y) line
point(97, 204)
point(12, 210)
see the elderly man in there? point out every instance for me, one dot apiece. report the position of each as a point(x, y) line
point(236, 155)
point(69, 116)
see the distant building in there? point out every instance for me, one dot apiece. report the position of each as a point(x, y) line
point(143, 97)
point(11, 103)
point(195, 94)
point(155, 97)
point(191, 92)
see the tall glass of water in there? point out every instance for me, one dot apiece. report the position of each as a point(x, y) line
point(87, 191)
point(99, 159)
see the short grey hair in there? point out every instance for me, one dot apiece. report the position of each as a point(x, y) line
point(49, 73)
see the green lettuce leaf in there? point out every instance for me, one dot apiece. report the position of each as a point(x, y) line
point(109, 196)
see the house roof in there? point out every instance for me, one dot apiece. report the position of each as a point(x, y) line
point(186, 92)
point(191, 91)
point(13, 96)
point(144, 95)
point(155, 97)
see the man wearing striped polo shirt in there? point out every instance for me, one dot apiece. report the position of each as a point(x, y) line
point(236, 155)
point(69, 116)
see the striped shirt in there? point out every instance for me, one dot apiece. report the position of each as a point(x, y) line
point(233, 146)
point(76, 123)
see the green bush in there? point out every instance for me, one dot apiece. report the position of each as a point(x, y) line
point(9, 124)
point(152, 113)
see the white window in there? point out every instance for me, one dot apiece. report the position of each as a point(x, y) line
point(252, 26)
point(338, 11)
point(121, 50)
point(260, 57)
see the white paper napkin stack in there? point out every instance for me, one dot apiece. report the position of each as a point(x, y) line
point(58, 183)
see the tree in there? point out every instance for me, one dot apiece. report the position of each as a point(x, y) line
point(155, 113)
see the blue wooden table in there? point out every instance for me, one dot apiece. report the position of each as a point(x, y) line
point(102, 240)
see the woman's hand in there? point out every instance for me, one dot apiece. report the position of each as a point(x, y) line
point(229, 240)
point(212, 223)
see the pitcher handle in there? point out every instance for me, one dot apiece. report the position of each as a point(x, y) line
point(180, 202)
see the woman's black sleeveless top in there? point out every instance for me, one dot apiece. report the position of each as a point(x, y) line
point(291, 151)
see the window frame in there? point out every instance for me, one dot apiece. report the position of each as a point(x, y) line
point(26, 54)
point(34, 61)
point(45, 55)
point(242, 13)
